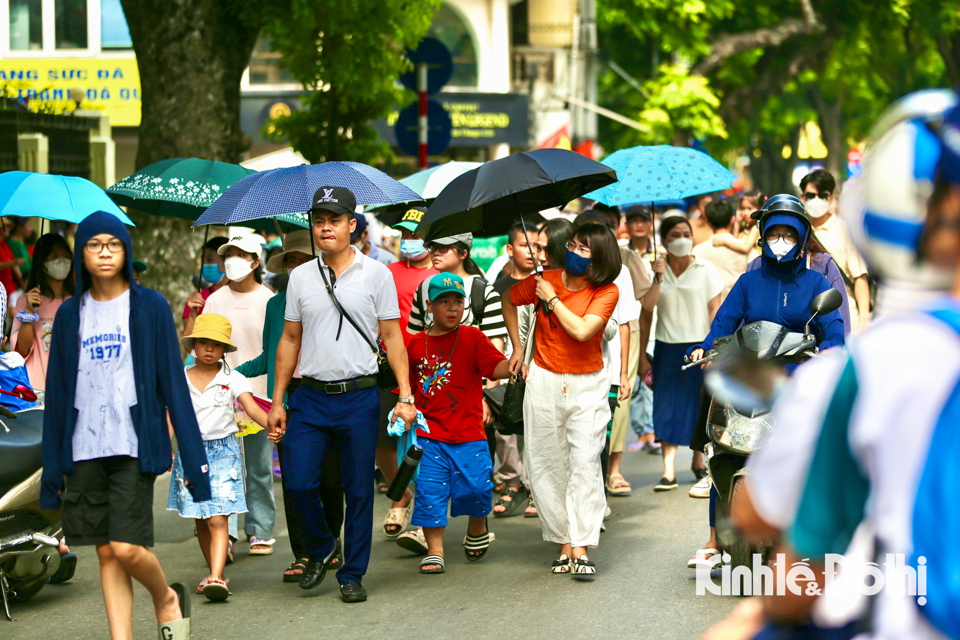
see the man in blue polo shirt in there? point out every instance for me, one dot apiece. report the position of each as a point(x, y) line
point(337, 403)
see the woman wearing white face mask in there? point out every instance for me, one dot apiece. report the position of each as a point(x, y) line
point(244, 303)
point(50, 283)
point(686, 293)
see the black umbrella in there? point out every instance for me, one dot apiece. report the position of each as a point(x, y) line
point(485, 201)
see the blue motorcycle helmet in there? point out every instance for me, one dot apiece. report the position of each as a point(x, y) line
point(787, 210)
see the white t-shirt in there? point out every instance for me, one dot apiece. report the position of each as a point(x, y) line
point(214, 404)
point(106, 388)
point(366, 291)
point(627, 309)
point(246, 312)
point(682, 315)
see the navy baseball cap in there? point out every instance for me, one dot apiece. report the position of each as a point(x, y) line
point(335, 199)
point(634, 210)
point(361, 226)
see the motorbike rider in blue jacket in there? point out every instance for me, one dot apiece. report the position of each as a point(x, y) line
point(782, 289)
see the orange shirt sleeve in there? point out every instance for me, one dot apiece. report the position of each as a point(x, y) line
point(604, 302)
point(524, 292)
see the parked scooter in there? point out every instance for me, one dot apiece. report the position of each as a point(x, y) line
point(747, 364)
point(29, 536)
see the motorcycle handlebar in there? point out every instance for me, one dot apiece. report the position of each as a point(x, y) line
point(6, 413)
point(710, 355)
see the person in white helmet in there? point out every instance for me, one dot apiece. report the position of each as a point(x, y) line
point(867, 438)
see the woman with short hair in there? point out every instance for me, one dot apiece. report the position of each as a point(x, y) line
point(565, 410)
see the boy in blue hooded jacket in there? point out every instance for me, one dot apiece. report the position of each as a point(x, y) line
point(115, 372)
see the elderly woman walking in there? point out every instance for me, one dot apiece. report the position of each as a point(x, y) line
point(565, 410)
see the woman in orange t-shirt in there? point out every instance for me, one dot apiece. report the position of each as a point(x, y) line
point(565, 409)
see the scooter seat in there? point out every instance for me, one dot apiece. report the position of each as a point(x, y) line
point(20, 449)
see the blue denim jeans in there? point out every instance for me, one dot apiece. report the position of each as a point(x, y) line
point(641, 408)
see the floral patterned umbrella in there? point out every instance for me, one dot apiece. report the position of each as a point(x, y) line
point(177, 188)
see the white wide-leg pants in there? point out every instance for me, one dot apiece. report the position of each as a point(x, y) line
point(565, 420)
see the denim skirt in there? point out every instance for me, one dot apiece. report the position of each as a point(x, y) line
point(225, 466)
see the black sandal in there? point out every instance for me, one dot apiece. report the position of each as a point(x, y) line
point(299, 564)
point(584, 568)
point(478, 545)
point(337, 558)
point(517, 498)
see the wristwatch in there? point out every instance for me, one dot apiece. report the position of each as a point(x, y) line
point(554, 301)
point(407, 400)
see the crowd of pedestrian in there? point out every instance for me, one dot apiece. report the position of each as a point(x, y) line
point(352, 352)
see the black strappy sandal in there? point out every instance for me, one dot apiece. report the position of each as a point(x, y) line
point(517, 499)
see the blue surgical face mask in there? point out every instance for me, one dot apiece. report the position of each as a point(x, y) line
point(576, 265)
point(412, 248)
point(211, 273)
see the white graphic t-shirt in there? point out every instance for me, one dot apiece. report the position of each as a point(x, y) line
point(105, 385)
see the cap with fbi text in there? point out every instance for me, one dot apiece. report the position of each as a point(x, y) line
point(411, 219)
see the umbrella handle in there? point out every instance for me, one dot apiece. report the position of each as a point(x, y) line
point(206, 236)
point(537, 267)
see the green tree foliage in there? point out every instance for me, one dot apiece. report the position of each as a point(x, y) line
point(773, 65)
point(348, 54)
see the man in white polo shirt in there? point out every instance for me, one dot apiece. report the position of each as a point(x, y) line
point(337, 403)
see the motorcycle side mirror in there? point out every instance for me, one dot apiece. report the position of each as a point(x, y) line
point(25, 393)
point(827, 302)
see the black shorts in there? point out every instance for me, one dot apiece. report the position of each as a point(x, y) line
point(388, 400)
point(108, 500)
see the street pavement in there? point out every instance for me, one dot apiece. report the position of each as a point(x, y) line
point(643, 588)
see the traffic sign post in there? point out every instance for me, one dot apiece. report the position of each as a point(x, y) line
point(433, 68)
point(423, 71)
point(408, 129)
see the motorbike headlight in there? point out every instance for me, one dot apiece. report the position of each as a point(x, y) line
point(744, 435)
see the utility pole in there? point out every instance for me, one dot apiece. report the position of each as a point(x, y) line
point(583, 76)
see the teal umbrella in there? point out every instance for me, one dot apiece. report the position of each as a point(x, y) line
point(53, 197)
point(178, 187)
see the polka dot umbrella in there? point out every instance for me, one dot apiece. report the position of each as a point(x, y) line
point(654, 174)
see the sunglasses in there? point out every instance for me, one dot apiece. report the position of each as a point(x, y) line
point(809, 195)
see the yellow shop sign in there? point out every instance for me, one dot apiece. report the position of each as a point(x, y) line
point(110, 84)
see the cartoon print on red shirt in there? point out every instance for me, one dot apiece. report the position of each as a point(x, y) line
point(433, 374)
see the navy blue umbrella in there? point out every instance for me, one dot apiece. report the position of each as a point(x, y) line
point(487, 200)
point(287, 194)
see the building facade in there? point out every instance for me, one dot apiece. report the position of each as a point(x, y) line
point(506, 92)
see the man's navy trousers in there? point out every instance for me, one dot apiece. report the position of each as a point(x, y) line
point(347, 421)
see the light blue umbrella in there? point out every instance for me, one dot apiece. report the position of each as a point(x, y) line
point(66, 198)
point(655, 174)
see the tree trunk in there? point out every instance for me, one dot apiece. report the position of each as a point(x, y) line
point(831, 130)
point(191, 54)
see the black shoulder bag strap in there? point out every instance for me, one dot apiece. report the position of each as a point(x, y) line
point(343, 313)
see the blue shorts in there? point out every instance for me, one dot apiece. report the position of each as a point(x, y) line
point(456, 473)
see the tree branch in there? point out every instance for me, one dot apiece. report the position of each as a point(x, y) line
point(730, 45)
point(773, 75)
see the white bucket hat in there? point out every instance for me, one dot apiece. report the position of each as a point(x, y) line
point(293, 241)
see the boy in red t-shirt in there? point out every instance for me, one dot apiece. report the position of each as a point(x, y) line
point(447, 365)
